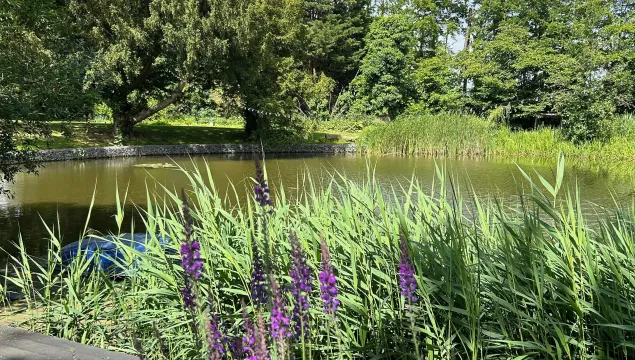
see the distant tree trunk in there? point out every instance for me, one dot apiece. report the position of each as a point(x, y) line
point(468, 38)
point(251, 121)
point(126, 126)
point(128, 117)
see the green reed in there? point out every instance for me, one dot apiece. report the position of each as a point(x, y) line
point(448, 134)
point(457, 134)
point(537, 280)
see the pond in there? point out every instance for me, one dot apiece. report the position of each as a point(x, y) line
point(63, 190)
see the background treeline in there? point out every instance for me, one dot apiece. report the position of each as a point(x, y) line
point(526, 63)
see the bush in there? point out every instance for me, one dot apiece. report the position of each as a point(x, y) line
point(622, 126)
point(346, 124)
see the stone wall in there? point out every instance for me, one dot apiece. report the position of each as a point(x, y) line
point(161, 150)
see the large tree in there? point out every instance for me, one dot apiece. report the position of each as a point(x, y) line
point(435, 22)
point(42, 62)
point(149, 52)
point(550, 59)
point(326, 55)
point(385, 84)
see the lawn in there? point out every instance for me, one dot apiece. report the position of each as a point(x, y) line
point(97, 134)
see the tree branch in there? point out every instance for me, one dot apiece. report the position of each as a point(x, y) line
point(143, 75)
point(176, 94)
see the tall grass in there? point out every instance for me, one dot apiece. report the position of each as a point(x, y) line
point(533, 281)
point(452, 134)
point(449, 134)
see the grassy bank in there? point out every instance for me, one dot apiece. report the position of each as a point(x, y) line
point(169, 132)
point(99, 133)
point(450, 134)
point(535, 281)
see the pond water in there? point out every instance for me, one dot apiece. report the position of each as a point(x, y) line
point(63, 190)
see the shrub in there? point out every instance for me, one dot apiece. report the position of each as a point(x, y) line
point(347, 124)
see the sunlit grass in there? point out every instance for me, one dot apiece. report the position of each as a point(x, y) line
point(159, 132)
point(458, 135)
point(445, 134)
point(97, 134)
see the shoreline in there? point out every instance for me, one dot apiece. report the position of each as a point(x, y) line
point(52, 155)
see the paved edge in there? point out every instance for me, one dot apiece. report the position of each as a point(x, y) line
point(193, 149)
point(19, 344)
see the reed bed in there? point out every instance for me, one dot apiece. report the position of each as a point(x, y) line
point(420, 274)
point(460, 135)
point(444, 134)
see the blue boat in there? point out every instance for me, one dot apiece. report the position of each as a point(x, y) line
point(107, 254)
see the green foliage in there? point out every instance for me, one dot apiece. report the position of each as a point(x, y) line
point(493, 282)
point(280, 131)
point(334, 38)
point(435, 21)
point(346, 124)
point(437, 85)
point(452, 134)
point(552, 57)
point(526, 63)
point(41, 64)
point(146, 50)
point(385, 83)
point(312, 94)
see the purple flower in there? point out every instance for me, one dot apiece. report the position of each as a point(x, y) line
point(300, 287)
point(249, 339)
point(189, 297)
point(407, 282)
point(255, 339)
point(236, 348)
point(258, 281)
point(260, 348)
point(328, 282)
point(279, 319)
point(262, 189)
point(190, 259)
point(215, 339)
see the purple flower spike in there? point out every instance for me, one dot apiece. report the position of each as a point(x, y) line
point(279, 318)
point(300, 287)
point(249, 340)
point(190, 259)
point(255, 339)
point(258, 280)
point(262, 189)
point(328, 282)
point(236, 348)
point(215, 339)
point(407, 281)
point(189, 298)
point(261, 351)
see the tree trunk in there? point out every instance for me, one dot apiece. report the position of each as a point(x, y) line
point(176, 94)
point(126, 126)
point(466, 45)
point(251, 122)
point(122, 128)
point(126, 118)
